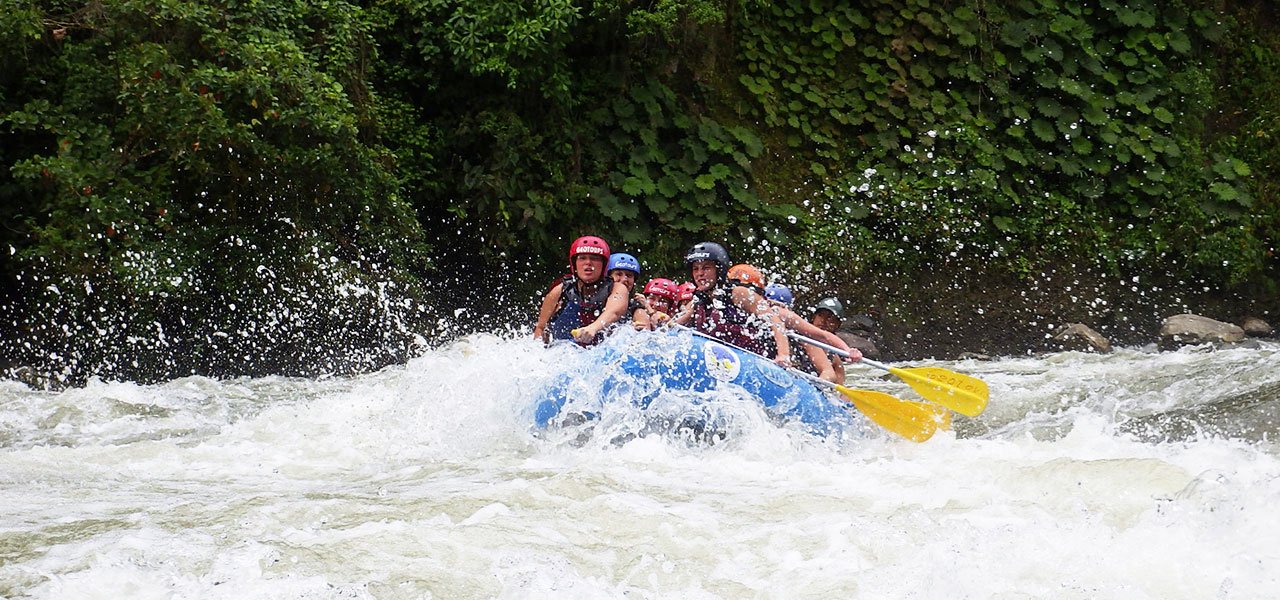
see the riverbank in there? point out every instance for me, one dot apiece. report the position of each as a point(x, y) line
point(946, 313)
point(951, 313)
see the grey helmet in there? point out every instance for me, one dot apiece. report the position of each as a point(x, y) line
point(832, 304)
point(709, 251)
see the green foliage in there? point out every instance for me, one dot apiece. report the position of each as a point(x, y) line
point(146, 117)
point(163, 152)
point(142, 138)
point(1019, 125)
point(621, 147)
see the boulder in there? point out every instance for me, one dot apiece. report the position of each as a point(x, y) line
point(1255, 327)
point(1187, 329)
point(864, 345)
point(859, 331)
point(1082, 338)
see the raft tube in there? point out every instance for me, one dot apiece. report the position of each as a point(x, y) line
point(638, 366)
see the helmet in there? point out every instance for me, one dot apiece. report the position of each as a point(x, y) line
point(624, 261)
point(747, 274)
point(685, 291)
point(588, 244)
point(833, 305)
point(779, 293)
point(664, 288)
point(709, 251)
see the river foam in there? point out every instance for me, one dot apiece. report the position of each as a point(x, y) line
point(1133, 475)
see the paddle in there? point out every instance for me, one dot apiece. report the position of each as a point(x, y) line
point(961, 393)
point(915, 421)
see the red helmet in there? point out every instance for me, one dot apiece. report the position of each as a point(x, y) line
point(686, 290)
point(588, 244)
point(663, 288)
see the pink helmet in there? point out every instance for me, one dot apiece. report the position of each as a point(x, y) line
point(686, 290)
point(664, 288)
point(588, 244)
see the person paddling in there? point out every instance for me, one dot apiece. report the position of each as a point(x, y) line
point(655, 305)
point(828, 314)
point(623, 270)
point(684, 296)
point(586, 301)
point(732, 314)
point(812, 359)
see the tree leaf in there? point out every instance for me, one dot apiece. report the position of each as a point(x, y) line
point(632, 186)
point(1043, 130)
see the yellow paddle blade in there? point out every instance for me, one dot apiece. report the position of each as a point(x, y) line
point(961, 393)
point(916, 421)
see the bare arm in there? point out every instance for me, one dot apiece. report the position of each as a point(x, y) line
point(640, 320)
point(820, 362)
point(807, 329)
point(549, 303)
point(614, 308)
point(684, 314)
point(756, 304)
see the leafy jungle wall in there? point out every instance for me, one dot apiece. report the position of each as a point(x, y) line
point(282, 186)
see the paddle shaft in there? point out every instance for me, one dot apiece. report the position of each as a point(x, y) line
point(834, 350)
point(912, 420)
point(961, 393)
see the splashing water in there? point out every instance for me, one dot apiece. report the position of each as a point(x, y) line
point(1132, 475)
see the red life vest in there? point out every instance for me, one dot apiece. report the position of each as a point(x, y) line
point(716, 315)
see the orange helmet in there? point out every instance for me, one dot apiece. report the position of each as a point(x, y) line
point(747, 274)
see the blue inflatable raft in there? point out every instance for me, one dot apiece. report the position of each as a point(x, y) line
point(639, 367)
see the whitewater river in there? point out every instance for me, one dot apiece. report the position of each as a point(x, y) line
point(1135, 475)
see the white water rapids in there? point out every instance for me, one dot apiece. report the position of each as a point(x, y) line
point(1135, 475)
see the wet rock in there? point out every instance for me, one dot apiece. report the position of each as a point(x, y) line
point(34, 379)
point(861, 331)
point(1255, 327)
point(867, 347)
point(1081, 338)
point(1188, 329)
point(974, 356)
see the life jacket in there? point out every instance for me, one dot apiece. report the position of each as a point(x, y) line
point(801, 360)
point(576, 311)
point(629, 315)
point(716, 315)
point(768, 345)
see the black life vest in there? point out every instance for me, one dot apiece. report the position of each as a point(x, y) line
point(802, 361)
point(576, 310)
point(629, 315)
point(800, 357)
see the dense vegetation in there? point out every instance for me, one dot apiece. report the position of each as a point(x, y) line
point(292, 186)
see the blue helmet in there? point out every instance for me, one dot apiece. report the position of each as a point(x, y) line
point(624, 261)
point(780, 293)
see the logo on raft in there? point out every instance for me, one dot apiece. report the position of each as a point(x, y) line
point(722, 363)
